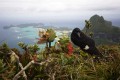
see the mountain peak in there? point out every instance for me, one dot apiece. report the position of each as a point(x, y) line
point(97, 18)
point(100, 25)
point(104, 31)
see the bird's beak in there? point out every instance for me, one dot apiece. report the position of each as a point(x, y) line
point(78, 34)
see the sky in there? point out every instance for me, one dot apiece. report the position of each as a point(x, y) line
point(57, 12)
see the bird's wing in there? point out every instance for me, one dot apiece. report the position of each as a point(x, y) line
point(88, 41)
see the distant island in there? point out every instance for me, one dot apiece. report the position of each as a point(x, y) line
point(104, 31)
point(25, 25)
point(36, 25)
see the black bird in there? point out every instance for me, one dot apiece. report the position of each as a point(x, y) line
point(86, 43)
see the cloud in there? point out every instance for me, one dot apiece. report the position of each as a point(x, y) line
point(57, 10)
point(57, 5)
point(105, 9)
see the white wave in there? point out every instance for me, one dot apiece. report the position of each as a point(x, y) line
point(19, 37)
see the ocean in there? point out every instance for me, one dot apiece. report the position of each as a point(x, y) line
point(12, 36)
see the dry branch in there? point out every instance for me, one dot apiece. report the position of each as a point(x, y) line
point(20, 64)
point(27, 66)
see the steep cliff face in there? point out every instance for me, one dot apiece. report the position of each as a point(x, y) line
point(104, 29)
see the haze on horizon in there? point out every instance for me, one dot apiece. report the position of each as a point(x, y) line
point(57, 12)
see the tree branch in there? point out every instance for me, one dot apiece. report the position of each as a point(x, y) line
point(20, 64)
point(29, 64)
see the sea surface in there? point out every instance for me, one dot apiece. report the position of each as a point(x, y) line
point(28, 35)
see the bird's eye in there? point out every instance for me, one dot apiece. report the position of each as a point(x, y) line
point(78, 34)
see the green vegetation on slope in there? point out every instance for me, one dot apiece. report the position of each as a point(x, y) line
point(78, 66)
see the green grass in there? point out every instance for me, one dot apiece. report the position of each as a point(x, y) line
point(63, 66)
